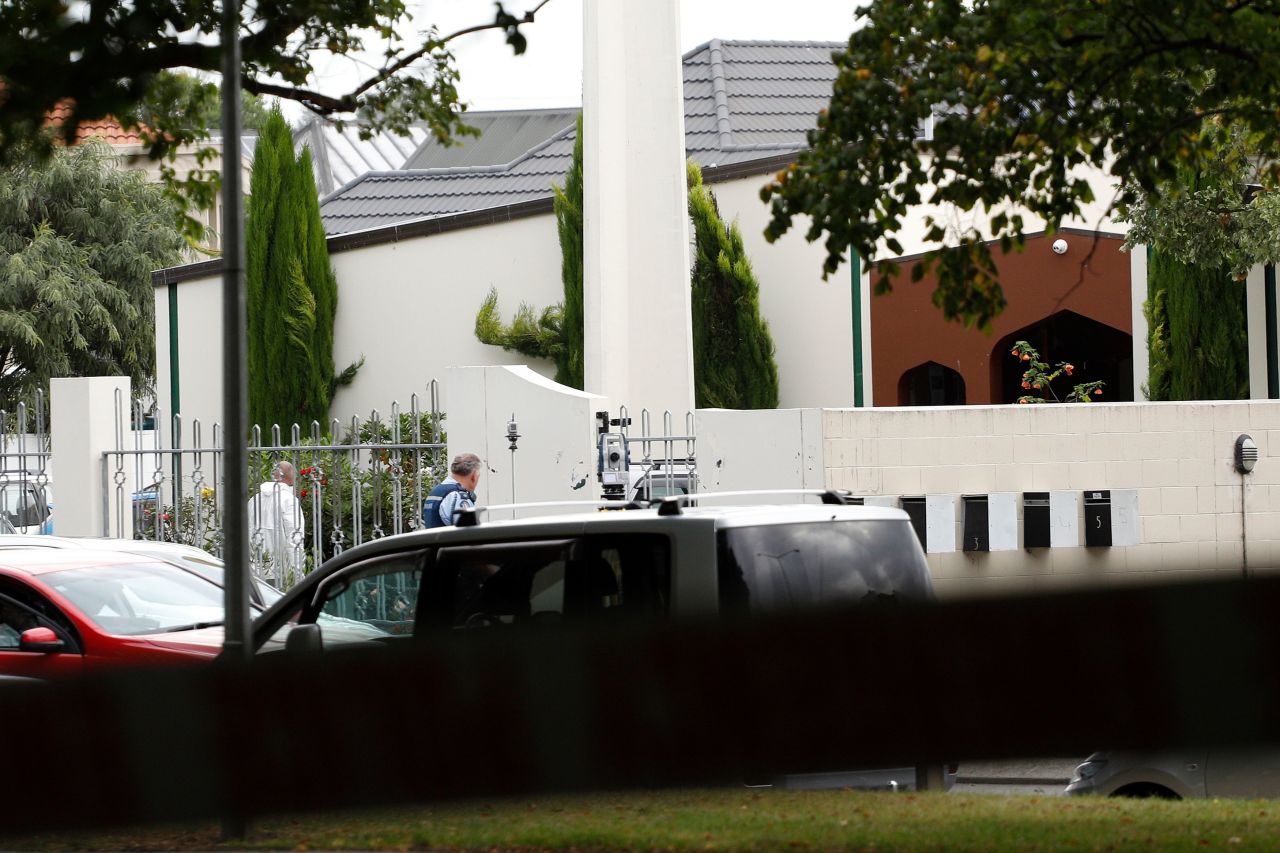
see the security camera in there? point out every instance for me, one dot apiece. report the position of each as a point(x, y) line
point(1059, 247)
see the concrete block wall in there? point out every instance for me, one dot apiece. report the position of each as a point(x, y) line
point(1177, 456)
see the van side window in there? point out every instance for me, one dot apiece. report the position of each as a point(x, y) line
point(383, 594)
point(538, 582)
point(787, 566)
point(627, 576)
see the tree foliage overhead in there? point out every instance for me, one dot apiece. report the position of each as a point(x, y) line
point(290, 291)
point(733, 366)
point(1025, 91)
point(1204, 231)
point(1225, 215)
point(103, 59)
point(79, 239)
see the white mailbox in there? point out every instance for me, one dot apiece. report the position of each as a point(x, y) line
point(940, 522)
point(1064, 519)
point(1125, 523)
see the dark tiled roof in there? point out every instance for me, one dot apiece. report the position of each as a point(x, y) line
point(744, 101)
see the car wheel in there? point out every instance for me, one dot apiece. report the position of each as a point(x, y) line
point(1146, 791)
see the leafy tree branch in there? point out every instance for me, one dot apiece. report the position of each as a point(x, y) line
point(106, 59)
point(1027, 95)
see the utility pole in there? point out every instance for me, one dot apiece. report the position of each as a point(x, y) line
point(237, 649)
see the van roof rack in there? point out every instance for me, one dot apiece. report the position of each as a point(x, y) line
point(471, 517)
point(673, 504)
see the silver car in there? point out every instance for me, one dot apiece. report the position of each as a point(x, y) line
point(1217, 773)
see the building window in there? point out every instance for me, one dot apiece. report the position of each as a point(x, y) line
point(931, 384)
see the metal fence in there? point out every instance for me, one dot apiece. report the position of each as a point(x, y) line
point(344, 483)
point(664, 464)
point(353, 481)
point(25, 492)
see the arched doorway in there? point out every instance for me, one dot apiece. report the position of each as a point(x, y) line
point(1097, 351)
point(931, 384)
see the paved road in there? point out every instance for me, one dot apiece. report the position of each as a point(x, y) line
point(1041, 777)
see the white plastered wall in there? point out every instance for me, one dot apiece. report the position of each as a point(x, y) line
point(555, 456)
point(407, 307)
point(199, 333)
point(811, 320)
point(766, 449)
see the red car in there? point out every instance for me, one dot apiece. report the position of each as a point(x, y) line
point(63, 612)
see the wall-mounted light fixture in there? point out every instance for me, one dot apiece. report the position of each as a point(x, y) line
point(1246, 455)
point(1059, 246)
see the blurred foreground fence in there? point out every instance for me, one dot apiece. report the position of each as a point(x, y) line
point(474, 713)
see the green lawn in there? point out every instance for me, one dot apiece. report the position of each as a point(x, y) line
point(738, 819)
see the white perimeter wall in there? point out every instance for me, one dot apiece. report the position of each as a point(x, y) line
point(555, 457)
point(1177, 457)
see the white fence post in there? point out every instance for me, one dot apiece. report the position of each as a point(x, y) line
point(84, 426)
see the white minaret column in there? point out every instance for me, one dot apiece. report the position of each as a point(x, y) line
point(637, 342)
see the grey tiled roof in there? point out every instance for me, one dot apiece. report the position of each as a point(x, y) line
point(504, 136)
point(744, 101)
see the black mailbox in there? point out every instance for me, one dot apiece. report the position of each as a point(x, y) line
point(1035, 519)
point(914, 508)
point(977, 527)
point(1097, 518)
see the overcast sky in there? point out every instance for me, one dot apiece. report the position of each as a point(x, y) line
point(549, 74)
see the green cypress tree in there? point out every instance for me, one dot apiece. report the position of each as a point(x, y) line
point(1205, 336)
point(733, 362)
point(292, 323)
point(568, 208)
point(292, 293)
point(271, 160)
point(324, 289)
point(1157, 387)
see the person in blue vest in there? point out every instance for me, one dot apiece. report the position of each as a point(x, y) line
point(456, 493)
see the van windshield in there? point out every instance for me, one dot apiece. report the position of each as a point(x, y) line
point(820, 564)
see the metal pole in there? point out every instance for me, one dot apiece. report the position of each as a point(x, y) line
point(234, 356)
point(513, 435)
point(237, 651)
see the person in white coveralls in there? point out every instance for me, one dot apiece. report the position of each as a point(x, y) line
point(277, 530)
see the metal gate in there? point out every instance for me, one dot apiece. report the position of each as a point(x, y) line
point(354, 481)
point(25, 492)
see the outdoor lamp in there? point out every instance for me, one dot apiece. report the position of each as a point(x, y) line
point(1246, 454)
